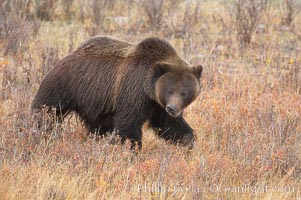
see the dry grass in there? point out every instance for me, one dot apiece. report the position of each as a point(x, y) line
point(247, 119)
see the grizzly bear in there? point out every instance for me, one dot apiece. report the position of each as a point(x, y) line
point(117, 86)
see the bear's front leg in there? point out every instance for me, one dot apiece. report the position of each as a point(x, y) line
point(174, 129)
point(129, 129)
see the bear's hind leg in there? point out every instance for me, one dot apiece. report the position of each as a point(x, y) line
point(48, 118)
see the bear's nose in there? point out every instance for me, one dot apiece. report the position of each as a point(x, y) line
point(170, 109)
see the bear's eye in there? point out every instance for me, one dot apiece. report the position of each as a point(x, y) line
point(183, 94)
point(169, 92)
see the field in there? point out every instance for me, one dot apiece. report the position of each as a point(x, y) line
point(247, 118)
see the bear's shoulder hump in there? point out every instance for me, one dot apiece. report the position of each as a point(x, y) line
point(155, 47)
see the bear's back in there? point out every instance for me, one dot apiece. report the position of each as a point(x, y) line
point(105, 46)
point(153, 48)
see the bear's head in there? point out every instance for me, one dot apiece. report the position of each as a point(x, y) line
point(175, 88)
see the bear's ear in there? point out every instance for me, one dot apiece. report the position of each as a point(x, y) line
point(198, 71)
point(159, 69)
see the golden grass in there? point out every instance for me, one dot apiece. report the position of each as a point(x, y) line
point(247, 121)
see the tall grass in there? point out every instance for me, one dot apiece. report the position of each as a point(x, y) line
point(247, 118)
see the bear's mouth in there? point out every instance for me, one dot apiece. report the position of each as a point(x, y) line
point(173, 112)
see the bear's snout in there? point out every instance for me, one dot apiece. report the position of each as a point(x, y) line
point(174, 105)
point(173, 110)
point(170, 108)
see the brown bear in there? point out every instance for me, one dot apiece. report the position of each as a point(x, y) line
point(117, 86)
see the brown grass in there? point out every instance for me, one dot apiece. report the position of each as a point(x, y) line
point(247, 118)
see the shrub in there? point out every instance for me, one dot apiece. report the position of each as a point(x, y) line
point(247, 14)
point(289, 9)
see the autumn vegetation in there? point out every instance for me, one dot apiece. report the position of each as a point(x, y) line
point(247, 118)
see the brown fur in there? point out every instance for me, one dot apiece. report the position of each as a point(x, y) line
point(115, 85)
